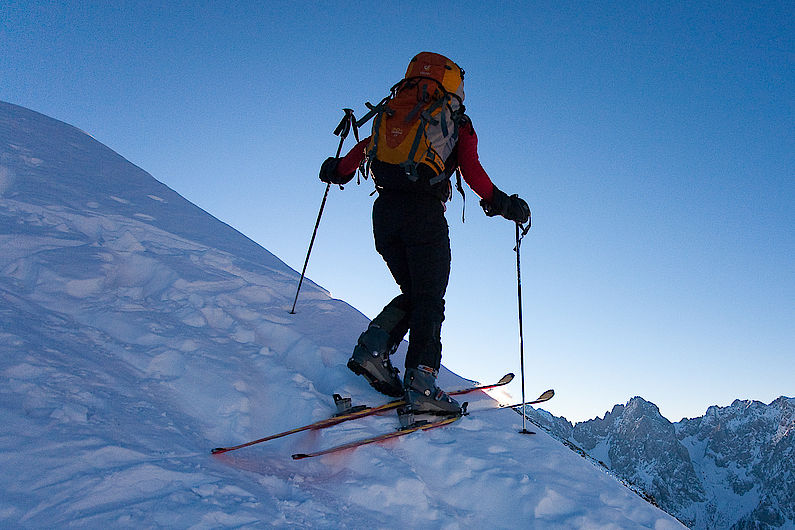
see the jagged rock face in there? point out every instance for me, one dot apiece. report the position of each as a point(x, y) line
point(642, 448)
point(731, 468)
point(752, 446)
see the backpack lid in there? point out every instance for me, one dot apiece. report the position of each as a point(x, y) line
point(440, 68)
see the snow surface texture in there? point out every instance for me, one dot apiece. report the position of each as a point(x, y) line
point(138, 332)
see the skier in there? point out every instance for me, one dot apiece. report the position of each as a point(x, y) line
point(411, 234)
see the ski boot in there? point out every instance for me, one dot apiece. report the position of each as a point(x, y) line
point(424, 397)
point(371, 359)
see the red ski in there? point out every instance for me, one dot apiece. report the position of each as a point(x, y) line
point(355, 414)
point(380, 438)
point(420, 426)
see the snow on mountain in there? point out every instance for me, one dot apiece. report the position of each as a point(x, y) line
point(744, 454)
point(731, 468)
point(138, 332)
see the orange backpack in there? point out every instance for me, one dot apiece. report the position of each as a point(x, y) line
point(417, 123)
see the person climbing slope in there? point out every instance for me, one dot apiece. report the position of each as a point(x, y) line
point(421, 136)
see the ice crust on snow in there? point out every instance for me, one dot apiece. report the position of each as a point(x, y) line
point(138, 332)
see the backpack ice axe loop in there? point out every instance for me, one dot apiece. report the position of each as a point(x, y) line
point(373, 110)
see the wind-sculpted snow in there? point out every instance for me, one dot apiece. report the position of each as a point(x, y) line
point(137, 332)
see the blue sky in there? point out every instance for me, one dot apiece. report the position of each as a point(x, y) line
point(653, 141)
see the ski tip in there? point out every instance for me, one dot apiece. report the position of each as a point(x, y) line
point(507, 378)
point(218, 450)
point(300, 456)
point(549, 394)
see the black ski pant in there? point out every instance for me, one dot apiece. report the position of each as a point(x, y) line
point(411, 234)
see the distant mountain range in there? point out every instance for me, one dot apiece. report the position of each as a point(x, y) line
point(734, 467)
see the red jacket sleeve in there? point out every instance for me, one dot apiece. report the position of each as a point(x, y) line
point(350, 163)
point(473, 173)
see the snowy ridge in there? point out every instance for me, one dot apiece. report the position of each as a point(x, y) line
point(138, 332)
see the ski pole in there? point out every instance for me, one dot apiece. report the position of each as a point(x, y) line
point(342, 131)
point(520, 233)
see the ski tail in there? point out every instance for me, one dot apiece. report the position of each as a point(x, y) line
point(322, 424)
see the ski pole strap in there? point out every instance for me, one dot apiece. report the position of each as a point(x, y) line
point(521, 231)
point(460, 189)
point(355, 126)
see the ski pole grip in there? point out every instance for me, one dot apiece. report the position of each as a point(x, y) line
point(344, 127)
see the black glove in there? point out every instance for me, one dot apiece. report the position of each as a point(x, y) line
point(512, 208)
point(328, 172)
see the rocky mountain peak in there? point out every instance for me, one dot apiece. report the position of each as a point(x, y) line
point(730, 468)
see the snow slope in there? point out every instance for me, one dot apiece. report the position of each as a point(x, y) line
point(138, 332)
